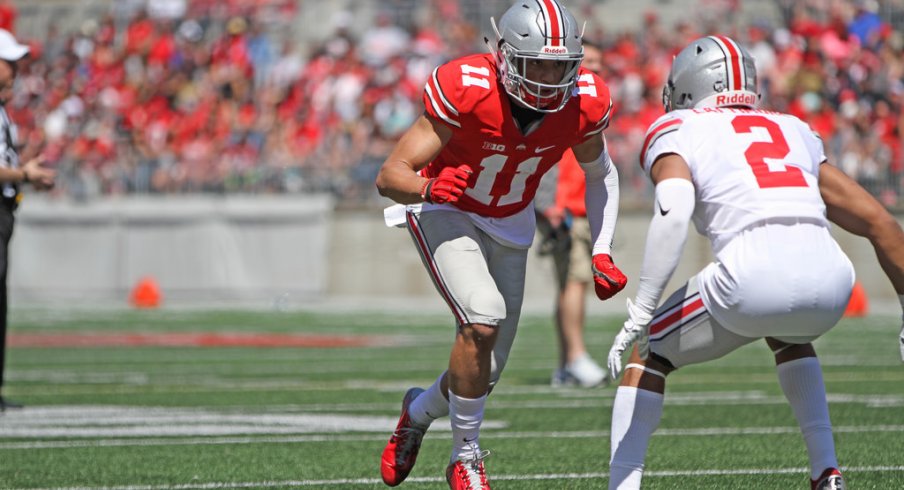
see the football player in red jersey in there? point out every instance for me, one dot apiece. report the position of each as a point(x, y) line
point(465, 175)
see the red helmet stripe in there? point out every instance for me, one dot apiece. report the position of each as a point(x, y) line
point(554, 27)
point(734, 60)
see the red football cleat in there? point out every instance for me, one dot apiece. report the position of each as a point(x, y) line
point(830, 479)
point(468, 474)
point(400, 452)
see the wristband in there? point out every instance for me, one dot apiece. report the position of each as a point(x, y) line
point(425, 190)
point(24, 176)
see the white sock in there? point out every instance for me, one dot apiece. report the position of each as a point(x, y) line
point(429, 405)
point(466, 414)
point(801, 380)
point(635, 415)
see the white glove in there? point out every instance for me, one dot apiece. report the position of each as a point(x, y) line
point(901, 338)
point(901, 341)
point(634, 330)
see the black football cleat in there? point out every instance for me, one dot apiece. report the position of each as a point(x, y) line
point(7, 404)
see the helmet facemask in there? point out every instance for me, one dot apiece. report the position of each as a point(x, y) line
point(543, 97)
point(537, 30)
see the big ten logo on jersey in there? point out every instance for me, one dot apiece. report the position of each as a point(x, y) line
point(586, 85)
point(498, 147)
point(475, 75)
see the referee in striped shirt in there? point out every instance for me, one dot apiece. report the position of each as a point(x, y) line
point(12, 176)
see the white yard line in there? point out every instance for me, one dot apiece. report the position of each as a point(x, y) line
point(316, 438)
point(539, 477)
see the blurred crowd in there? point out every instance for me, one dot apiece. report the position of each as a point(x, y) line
point(210, 97)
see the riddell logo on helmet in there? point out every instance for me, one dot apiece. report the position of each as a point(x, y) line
point(736, 98)
point(554, 50)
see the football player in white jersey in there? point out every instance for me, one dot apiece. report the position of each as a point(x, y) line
point(756, 183)
point(467, 172)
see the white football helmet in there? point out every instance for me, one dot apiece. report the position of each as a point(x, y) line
point(531, 30)
point(713, 71)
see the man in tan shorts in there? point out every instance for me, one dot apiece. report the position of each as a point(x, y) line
point(567, 239)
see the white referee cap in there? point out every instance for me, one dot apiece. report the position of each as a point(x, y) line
point(10, 49)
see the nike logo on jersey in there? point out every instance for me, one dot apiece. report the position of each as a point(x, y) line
point(540, 149)
point(662, 212)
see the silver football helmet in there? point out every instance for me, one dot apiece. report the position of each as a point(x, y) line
point(531, 30)
point(713, 71)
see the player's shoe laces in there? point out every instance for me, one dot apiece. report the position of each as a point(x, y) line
point(583, 371)
point(468, 473)
point(400, 452)
point(830, 479)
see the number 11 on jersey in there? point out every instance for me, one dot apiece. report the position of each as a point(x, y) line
point(490, 168)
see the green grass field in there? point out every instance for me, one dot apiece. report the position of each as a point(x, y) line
point(129, 400)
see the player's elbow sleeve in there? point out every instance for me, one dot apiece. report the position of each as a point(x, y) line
point(598, 169)
point(675, 201)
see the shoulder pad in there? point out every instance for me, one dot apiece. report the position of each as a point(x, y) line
point(456, 87)
point(596, 101)
point(666, 124)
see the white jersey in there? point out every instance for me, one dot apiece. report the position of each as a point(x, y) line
point(747, 166)
point(778, 271)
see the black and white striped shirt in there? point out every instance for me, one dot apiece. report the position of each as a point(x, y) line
point(9, 154)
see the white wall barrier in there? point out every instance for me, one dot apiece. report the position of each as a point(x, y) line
point(196, 248)
point(285, 251)
point(372, 265)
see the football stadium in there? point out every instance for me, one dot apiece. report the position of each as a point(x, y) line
point(204, 293)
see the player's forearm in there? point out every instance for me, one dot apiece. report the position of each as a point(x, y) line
point(887, 239)
point(665, 240)
point(13, 175)
point(867, 218)
point(601, 198)
point(400, 182)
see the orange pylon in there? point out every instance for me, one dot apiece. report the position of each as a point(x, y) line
point(146, 293)
point(858, 305)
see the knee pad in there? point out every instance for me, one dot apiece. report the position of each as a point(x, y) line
point(485, 306)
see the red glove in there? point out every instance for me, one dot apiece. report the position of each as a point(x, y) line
point(608, 280)
point(448, 186)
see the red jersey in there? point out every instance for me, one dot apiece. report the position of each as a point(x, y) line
point(465, 95)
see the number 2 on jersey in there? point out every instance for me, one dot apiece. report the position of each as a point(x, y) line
point(759, 151)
